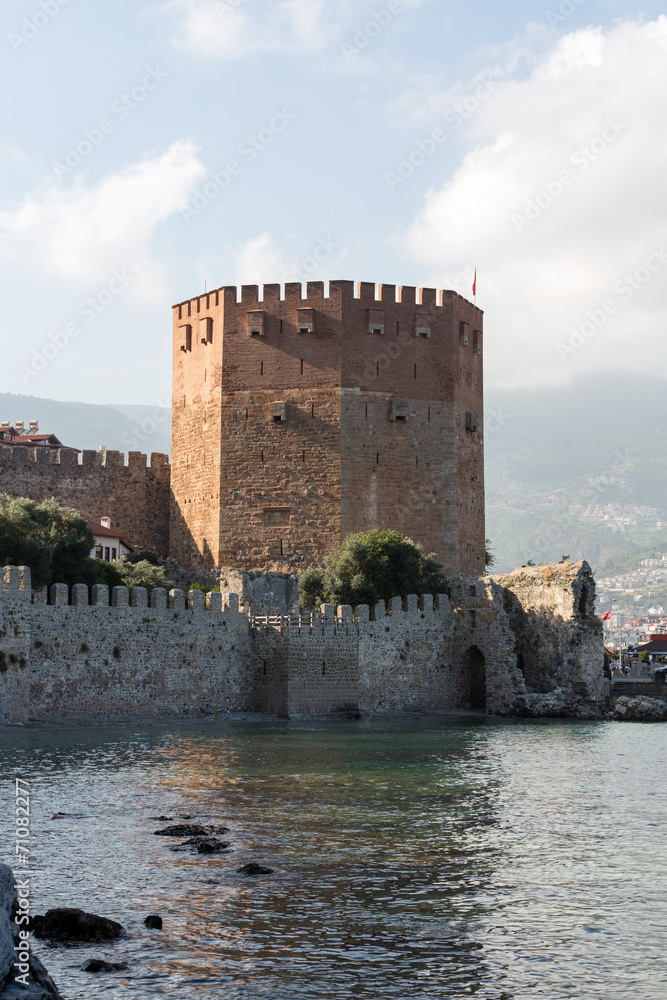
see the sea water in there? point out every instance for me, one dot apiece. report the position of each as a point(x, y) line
point(412, 858)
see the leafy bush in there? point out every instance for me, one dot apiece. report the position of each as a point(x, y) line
point(108, 574)
point(54, 541)
point(141, 574)
point(144, 555)
point(369, 567)
point(644, 656)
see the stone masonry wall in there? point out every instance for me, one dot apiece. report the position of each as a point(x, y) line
point(135, 496)
point(298, 419)
point(481, 649)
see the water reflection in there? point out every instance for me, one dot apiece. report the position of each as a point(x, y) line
point(435, 858)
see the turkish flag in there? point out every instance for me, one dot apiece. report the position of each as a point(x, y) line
point(474, 284)
point(607, 617)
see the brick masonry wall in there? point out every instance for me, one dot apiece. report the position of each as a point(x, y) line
point(134, 496)
point(330, 468)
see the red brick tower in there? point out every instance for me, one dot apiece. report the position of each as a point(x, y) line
point(299, 420)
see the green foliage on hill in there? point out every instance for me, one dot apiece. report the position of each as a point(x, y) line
point(369, 567)
point(141, 573)
point(54, 541)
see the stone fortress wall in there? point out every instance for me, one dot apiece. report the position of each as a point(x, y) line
point(91, 654)
point(97, 484)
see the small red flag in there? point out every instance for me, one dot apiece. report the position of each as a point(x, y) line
point(605, 618)
point(474, 284)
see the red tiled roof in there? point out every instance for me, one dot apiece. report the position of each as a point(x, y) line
point(102, 532)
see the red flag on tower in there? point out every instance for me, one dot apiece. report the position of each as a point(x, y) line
point(607, 617)
point(474, 283)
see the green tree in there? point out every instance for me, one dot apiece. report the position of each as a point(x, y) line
point(377, 565)
point(54, 541)
point(645, 656)
point(141, 574)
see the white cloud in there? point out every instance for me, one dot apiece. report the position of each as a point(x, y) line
point(82, 234)
point(231, 29)
point(558, 199)
point(257, 261)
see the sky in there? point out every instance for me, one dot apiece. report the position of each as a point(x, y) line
point(150, 150)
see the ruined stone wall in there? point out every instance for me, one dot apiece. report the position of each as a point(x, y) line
point(135, 496)
point(264, 593)
point(298, 420)
point(558, 636)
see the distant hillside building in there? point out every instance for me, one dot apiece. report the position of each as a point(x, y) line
point(17, 437)
point(299, 420)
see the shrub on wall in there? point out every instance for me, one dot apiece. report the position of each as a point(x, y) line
point(141, 574)
point(372, 566)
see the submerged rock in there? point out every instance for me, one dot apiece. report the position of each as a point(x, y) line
point(67, 924)
point(153, 922)
point(640, 709)
point(37, 984)
point(254, 869)
point(184, 830)
point(203, 845)
point(99, 965)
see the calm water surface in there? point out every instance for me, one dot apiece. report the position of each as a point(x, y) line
point(413, 858)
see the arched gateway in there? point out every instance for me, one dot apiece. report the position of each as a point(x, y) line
point(472, 689)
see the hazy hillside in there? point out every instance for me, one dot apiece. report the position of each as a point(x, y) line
point(87, 425)
point(580, 471)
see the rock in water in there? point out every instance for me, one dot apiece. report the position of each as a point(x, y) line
point(254, 869)
point(640, 709)
point(99, 965)
point(65, 924)
point(183, 830)
point(153, 922)
point(40, 985)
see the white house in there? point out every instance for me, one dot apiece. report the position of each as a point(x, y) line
point(109, 544)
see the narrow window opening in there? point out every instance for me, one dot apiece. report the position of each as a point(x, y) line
point(377, 367)
point(398, 328)
point(312, 409)
point(281, 326)
point(262, 458)
point(429, 413)
point(246, 412)
point(281, 546)
point(264, 671)
point(261, 368)
point(377, 458)
point(415, 375)
point(400, 418)
point(416, 461)
point(302, 366)
point(304, 456)
point(366, 411)
point(324, 668)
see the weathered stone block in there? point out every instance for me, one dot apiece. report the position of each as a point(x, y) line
point(159, 599)
point(40, 596)
point(139, 597)
point(100, 595)
point(214, 602)
point(362, 613)
point(120, 597)
point(327, 611)
point(233, 602)
point(426, 603)
point(80, 595)
point(344, 611)
point(59, 595)
point(411, 604)
point(395, 606)
point(177, 600)
point(10, 578)
point(196, 600)
point(441, 603)
point(379, 611)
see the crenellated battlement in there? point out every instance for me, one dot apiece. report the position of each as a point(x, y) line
point(88, 459)
point(320, 294)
